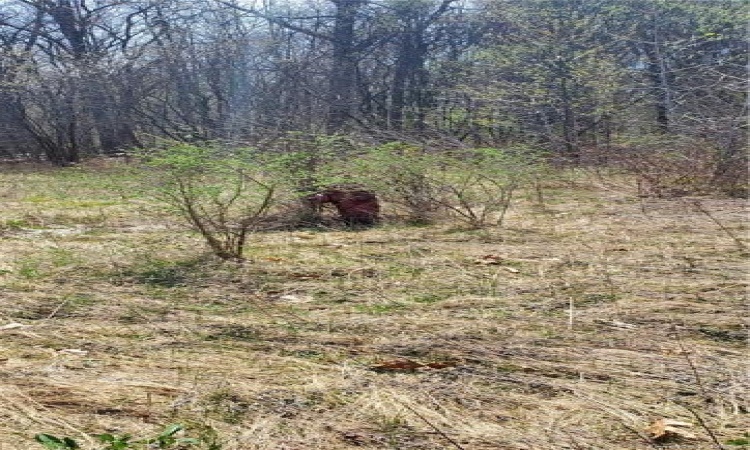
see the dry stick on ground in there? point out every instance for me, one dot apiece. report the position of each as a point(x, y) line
point(703, 425)
point(57, 309)
point(571, 312)
point(701, 386)
point(686, 354)
point(607, 409)
point(700, 208)
point(434, 427)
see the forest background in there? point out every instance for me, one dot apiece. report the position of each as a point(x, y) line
point(602, 81)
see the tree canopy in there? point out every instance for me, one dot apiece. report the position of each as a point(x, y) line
point(83, 77)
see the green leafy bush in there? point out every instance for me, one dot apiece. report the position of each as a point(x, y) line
point(221, 193)
point(475, 186)
point(301, 163)
point(398, 173)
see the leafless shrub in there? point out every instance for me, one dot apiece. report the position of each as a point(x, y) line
point(669, 166)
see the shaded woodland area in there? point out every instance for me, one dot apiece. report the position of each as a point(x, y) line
point(574, 77)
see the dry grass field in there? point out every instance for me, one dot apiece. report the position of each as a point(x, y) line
point(580, 324)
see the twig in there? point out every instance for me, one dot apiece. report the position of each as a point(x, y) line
point(703, 425)
point(607, 409)
point(699, 207)
point(686, 354)
point(434, 427)
point(57, 309)
point(701, 386)
point(571, 312)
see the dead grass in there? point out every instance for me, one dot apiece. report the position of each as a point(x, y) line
point(127, 327)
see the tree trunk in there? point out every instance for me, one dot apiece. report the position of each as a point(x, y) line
point(341, 94)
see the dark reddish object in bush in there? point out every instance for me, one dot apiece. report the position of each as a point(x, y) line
point(355, 205)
